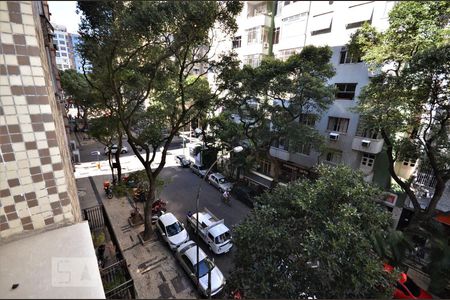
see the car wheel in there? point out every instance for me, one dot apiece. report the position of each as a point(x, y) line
point(123, 151)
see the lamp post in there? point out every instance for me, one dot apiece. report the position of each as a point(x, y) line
point(199, 189)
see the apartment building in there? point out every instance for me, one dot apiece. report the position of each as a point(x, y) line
point(64, 48)
point(41, 230)
point(283, 28)
point(77, 60)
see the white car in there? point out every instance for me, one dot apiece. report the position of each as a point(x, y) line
point(187, 256)
point(114, 149)
point(199, 170)
point(171, 230)
point(220, 182)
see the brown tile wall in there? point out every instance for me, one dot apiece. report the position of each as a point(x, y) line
point(37, 186)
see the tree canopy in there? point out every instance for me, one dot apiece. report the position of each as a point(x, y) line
point(273, 100)
point(408, 101)
point(313, 238)
point(142, 55)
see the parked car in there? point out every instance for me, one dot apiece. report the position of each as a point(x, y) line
point(186, 254)
point(245, 194)
point(171, 230)
point(199, 170)
point(220, 182)
point(182, 161)
point(406, 288)
point(114, 149)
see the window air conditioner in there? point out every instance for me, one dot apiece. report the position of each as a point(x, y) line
point(334, 136)
point(365, 143)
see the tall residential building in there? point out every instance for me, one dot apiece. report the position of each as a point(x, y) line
point(40, 219)
point(63, 44)
point(77, 59)
point(293, 25)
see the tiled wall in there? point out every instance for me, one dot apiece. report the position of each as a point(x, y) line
point(37, 188)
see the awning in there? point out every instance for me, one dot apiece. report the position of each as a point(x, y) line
point(359, 13)
point(322, 22)
point(259, 179)
point(443, 218)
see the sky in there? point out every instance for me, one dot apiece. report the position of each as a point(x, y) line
point(63, 13)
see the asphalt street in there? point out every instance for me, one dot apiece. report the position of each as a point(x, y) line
point(180, 192)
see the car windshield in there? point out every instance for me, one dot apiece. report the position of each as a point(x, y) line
point(412, 287)
point(223, 180)
point(222, 238)
point(174, 229)
point(202, 168)
point(204, 266)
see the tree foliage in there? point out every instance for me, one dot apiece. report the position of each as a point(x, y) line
point(408, 101)
point(329, 222)
point(142, 55)
point(271, 98)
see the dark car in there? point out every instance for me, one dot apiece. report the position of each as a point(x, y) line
point(245, 194)
point(182, 161)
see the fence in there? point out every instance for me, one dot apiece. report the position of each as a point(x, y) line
point(117, 281)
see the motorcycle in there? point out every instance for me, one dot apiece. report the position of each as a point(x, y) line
point(158, 206)
point(108, 190)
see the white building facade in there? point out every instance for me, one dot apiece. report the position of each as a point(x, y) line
point(319, 23)
point(63, 50)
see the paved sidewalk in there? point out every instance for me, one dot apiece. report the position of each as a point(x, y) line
point(153, 267)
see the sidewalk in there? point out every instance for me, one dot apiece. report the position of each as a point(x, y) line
point(153, 267)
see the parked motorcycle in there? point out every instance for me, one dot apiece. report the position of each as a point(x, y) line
point(108, 190)
point(159, 205)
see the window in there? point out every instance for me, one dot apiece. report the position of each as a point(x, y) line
point(253, 35)
point(63, 54)
point(345, 91)
point(333, 157)
point(284, 54)
point(59, 66)
point(368, 159)
point(61, 36)
point(322, 23)
point(347, 58)
point(308, 119)
point(65, 66)
point(276, 36)
point(305, 149)
point(252, 60)
point(409, 162)
point(264, 167)
point(256, 10)
point(358, 15)
point(237, 42)
point(338, 124)
point(294, 18)
point(57, 54)
point(62, 42)
point(63, 48)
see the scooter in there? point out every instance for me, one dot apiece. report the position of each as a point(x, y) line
point(108, 190)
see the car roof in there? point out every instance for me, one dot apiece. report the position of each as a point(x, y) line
point(191, 254)
point(167, 219)
point(217, 175)
point(218, 230)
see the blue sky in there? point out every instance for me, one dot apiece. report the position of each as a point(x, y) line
point(63, 13)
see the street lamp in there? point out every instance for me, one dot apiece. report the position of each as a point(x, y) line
point(236, 149)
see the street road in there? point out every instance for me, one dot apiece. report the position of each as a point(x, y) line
point(180, 191)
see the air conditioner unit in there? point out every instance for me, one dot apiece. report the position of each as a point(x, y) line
point(365, 143)
point(334, 136)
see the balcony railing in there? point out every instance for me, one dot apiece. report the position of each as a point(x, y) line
point(279, 153)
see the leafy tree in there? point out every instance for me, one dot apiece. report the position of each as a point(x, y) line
point(77, 88)
point(408, 102)
point(313, 238)
point(271, 99)
point(142, 54)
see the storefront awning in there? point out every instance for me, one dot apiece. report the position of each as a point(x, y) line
point(259, 179)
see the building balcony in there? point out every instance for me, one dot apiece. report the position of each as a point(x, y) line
point(279, 153)
point(260, 19)
point(363, 144)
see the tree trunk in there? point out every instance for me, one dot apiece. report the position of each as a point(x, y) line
point(148, 228)
point(118, 165)
point(85, 118)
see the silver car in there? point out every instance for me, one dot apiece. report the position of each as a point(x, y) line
point(199, 170)
point(186, 254)
point(220, 182)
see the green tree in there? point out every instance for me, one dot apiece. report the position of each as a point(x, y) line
point(142, 54)
point(408, 101)
point(313, 238)
point(274, 99)
point(77, 89)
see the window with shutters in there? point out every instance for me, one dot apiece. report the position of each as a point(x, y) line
point(338, 124)
point(237, 42)
point(347, 58)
